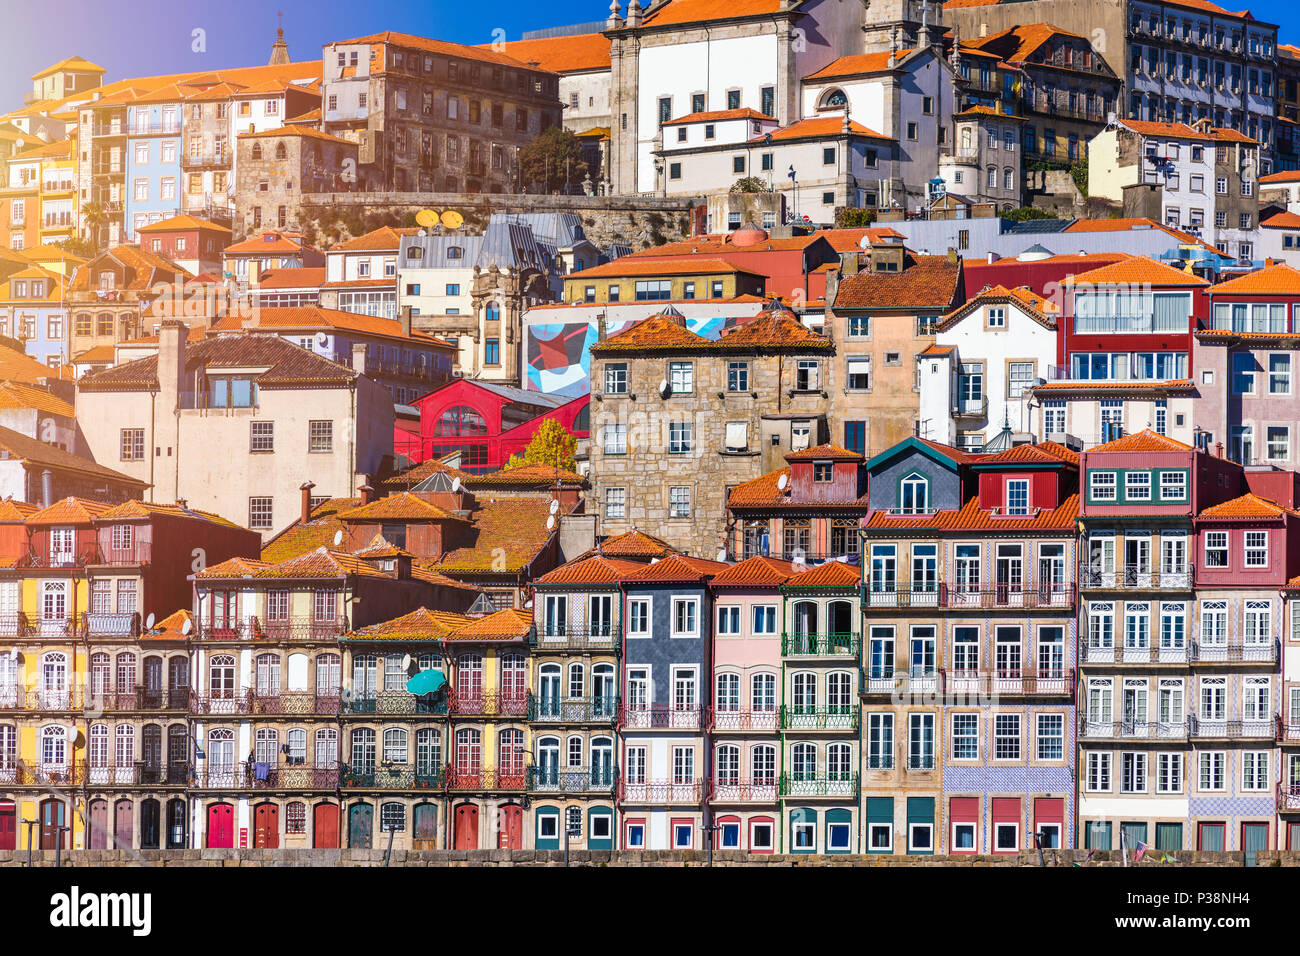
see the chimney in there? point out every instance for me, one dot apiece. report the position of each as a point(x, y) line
point(306, 488)
point(406, 320)
point(182, 504)
point(990, 259)
point(359, 358)
point(367, 493)
point(171, 363)
point(47, 488)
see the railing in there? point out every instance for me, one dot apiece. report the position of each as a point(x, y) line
point(573, 709)
point(258, 775)
point(393, 702)
point(14, 625)
point(1010, 682)
point(886, 682)
point(1146, 654)
point(1136, 577)
point(970, 408)
point(1262, 653)
point(141, 698)
point(660, 792)
point(486, 779)
point(597, 779)
point(295, 702)
point(942, 594)
point(819, 718)
point(288, 629)
point(793, 785)
point(1288, 798)
point(68, 698)
point(759, 721)
point(219, 704)
point(832, 644)
point(17, 774)
point(159, 126)
point(762, 790)
point(1201, 728)
point(140, 552)
point(577, 639)
point(659, 718)
point(392, 777)
point(488, 703)
point(110, 624)
point(207, 157)
point(1287, 733)
point(138, 774)
point(1133, 729)
point(44, 556)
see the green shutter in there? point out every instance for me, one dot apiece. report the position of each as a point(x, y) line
point(920, 810)
point(1169, 836)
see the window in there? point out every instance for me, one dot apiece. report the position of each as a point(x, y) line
point(685, 617)
point(806, 375)
point(1018, 496)
point(638, 611)
point(1051, 736)
point(1279, 374)
point(491, 351)
point(132, 444)
point(615, 439)
point(615, 503)
point(920, 753)
point(1101, 485)
point(1137, 485)
point(320, 436)
point(616, 378)
point(1173, 485)
point(1006, 736)
point(737, 376)
point(259, 514)
point(1216, 549)
point(1256, 549)
point(914, 494)
point(965, 736)
point(681, 437)
point(262, 437)
point(679, 501)
point(681, 377)
point(1211, 770)
point(859, 373)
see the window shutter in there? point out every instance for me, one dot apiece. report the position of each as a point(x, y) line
point(737, 436)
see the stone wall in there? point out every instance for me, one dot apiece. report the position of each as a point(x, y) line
point(637, 221)
point(697, 858)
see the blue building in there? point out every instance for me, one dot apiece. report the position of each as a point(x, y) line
point(33, 309)
point(153, 153)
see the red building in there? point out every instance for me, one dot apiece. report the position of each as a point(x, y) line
point(190, 242)
point(1043, 274)
point(486, 422)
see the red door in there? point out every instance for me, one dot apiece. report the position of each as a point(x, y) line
point(8, 826)
point(52, 820)
point(221, 826)
point(124, 817)
point(325, 826)
point(467, 827)
point(511, 827)
point(266, 822)
point(99, 825)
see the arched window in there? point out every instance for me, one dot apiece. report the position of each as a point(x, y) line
point(363, 750)
point(729, 765)
point(98, 748)
point(548, 692)
point(576, 681)
point(839, 620)
point(101, 668)
point(492, 311)
point(280, 151)
point(728, 693)
point(511, 744)
point(602, 761)
point(54, 747)
point(805, 692)
point(992, 177)
point(256, 152)
point(763, 765)
point(328, 675)
point(125, 673)
point(268, 675)
point(839, 692)
point(1008, 178)
point(602, 690)
point(762, 693)
point(914, 494)
point(839, 762)
point(460, 420)
point(221, 677)
point(124, 751)
point(833, 99)
point(805, 618)
point(573, 751)
point(804, 762)
point(965, 138)
point(582, 421)
point(365, 675)
point(548, 761)
point(395, 745)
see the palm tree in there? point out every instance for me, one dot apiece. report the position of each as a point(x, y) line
point(96, 216)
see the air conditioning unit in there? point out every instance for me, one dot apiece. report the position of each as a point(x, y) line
point(1071, 442)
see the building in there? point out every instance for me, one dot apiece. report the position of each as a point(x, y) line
point(432, 116)
point(108, 294)
point(272, 250)
point(33, 469)
point(34, 310)
point(74, 74)
point(664, 461)
point(648, 280)
point(973, 168)
point(361, 273)
point(267, 387)
point(194, 244)
point(280, 169)
point(884, 303)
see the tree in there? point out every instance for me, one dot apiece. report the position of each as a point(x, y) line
point(847, 217)
point(1025, 213)
point(750, 184)
point(96, 216)
point(552, 444)
point(553, 159)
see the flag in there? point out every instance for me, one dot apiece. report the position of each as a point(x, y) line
point(1141, 850)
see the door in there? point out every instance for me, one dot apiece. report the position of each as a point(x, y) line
point(123, 824)
point(8, 826)
point(151, 753)
point(150, 824)
point(426, 826)
point(153, 682)
point(221, 826)
point(1254, 837)
point(361, 825)
point(325, 826)
point(98, 837)
point(266, 826)
point(53, 819)
point(176, 814)
point(511, 827)
point(467, 827)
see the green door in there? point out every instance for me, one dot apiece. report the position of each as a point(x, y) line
point(1135, 836)
point(1097, 835)
point(1254, 837)
point(1169, 836)
point(548, 828)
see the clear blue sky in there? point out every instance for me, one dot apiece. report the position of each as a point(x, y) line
point(145, 37)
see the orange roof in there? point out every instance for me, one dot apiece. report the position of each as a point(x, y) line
point(1132, 385)
point(234, 568)
point(147, 509)
point(320, 530)
point(21, 395)
point(627, 266)
point(1139, 270)
point(723, 245)
point(1286, 176)
point(1143, 441)
point(580, 53)
point(1015, 44)
point(925, 282)
point(859, 64)
point(11, 510)
point(321, 563)
point(483, 54)
point(1028, 301)
point(1125, 225)
point(422, 624)
point(850, 240)
point(70, 511)
point(697, 11)
point(970, 517)
point(1202, 5)
point(306, 277)
point(1025, 454)
point(404, 506)
point(819, 127)
point(294, 129)
point(258, 244)
point(759, 571)
point(763, 490)
point(655, 332)
point(507, 535)
point(507, 624)
point(830, 574)
point(183, 222)
point(773, 327)
point(677, 567)
point(170, 628)
point(634, 544)
point(1277, 279)
point(719, 115)
point(596, 569)
point(381, 547)
point(1248, 506)
point(534, 474)
point(383, 239)
point(824, 452)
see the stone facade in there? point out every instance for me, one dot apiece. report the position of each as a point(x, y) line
point(277, 168)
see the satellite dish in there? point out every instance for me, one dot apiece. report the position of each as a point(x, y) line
point(455, 484)
point(654, 560)
point(452, 219)
point(663, 387)
point(427, 217)
point(528, 603)
point(550, 522)
point(322, 339)
point(722, 554)
point(148, 622)
point(555, 505)
point(782, 482)
point(187, 627)
point(406, 662)
point(338, 537)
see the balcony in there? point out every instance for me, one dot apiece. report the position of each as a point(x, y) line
point(19, 774)
point(1146, 654)
point(660, 792)
point(1003, 682)
point(1049, 596)
point(886, 682)
point(296, 702)
point(41, 699)
point(285, 629)
point(392, 702)
point(1134, 577)
point(735, 790)
point(572, 710)
point(819, 718)
point(659, 718)
point(875, 596)
point(138, 774)
point(391, 777)
point(256, 775)
point(743, 721)
point(1132, 729)
point(971, 408)
point(821, 645)
point(139, 699)
point(1199, 728)
point(1266, 652)
point(14, 625)
point(140, 552)
point(486, 779)
point(797, 785)
point(219, 159)
point(607, 639)
point(597, 779)
point(1288, 798)
point(159, 126)
point(112, 625)
point(488, 704)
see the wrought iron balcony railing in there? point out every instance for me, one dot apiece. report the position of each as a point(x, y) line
point(821, 645)
point(1147, 654)
point(258, 775)
point(112, 625)
point(1288, 732)
point(392, 702)
point(488, 703)
point(660, 792)
point(826, 785)
point(1288, 798)
point(286, 629)
point(138, 699)
point(1201, 728)
point(392, 777)
point(942, 594)
point(554, 640)
point(14, 625)
point(737, 790)
point(596, 779)
point(137, 774)
point(819, 718)
point(744, 721)
point(14, 773)
point(1136, 577)
point(1010, 682)
point(486, 779)
point(295, 702)
point(1132, 729)
point(602, 710)
point(1265, 652)
point(888, 682)
point(660, 718)
point(138, 552)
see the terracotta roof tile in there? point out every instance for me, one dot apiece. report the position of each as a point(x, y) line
point(759, 571)
point(417, 473)
point(1041, 310)
point(1137, 270)
point(676, 567)
point(1060, 451)
point(422, 624)
point(383, 239)
point(824, 452)
point(17, 395)
point(925, 282)
point(1143, 441)
point(11, 510)
point(1286, 176)
point(584, 52)
point(508, 624)
point(970, 517)
point(258, 244)
point(858, 64)
point(234, 568)
point(483, 54)
point(305, 277)
point(406, 506)
point(698, 11)
point(321, 563)
point(772, 328)
point(762, 491)
point(687, 265)
point(1277, 279)
point(381, 547)
point(830, 574)
point(635, 544)
point(653, 333)
point(170, 628)
point(1022, 455)
point(19, 445)
point(147, 509)
point(719, 115)
point(820, 127)
point(531, 475)
point(293, 129)
point(1244, 507)
point(596, 569)
point(508, 535)
point(183, 222)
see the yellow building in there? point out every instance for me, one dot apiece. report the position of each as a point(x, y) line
point(641, 279)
